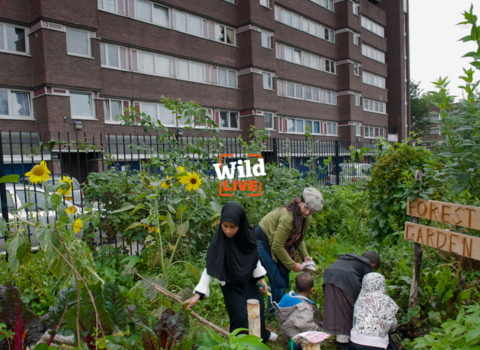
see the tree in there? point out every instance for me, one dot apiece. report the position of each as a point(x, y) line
point(419, 109)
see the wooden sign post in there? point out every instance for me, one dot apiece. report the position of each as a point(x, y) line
point(450, 241)
point(253, 309)
point(418, 254)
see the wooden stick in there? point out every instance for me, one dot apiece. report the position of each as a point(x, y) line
point(418, 259)
point(308, 346)
point(253, 309)
point(178, 300)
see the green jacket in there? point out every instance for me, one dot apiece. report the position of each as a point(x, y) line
point(278, 226)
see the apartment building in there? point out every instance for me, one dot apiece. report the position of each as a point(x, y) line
point(340, 68)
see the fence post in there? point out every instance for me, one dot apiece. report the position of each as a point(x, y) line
point(275, 151)
point(337, 161)
point(3, 190)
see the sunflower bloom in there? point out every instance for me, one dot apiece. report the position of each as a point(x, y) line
point(166, 184)
point(77, 225)
point(66, 180)
point(71, 210)
point(39, 173)
point(180, 170)
point(192, 181)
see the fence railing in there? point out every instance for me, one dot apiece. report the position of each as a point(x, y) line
point(79, 154)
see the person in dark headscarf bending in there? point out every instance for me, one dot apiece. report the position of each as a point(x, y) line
point(232, 259)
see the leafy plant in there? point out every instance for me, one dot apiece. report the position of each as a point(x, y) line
point(25, 325)
point(212, 341)
point(461, 333)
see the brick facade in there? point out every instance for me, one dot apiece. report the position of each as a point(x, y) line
point(47, 67)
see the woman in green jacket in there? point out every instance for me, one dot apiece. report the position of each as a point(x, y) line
point(280, 233)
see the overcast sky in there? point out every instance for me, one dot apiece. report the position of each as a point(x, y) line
point(434, 47)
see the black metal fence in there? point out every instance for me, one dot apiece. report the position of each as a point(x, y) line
point(78, 154)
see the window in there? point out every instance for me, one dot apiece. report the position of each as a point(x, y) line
point(372, 53)
point(15, 104)
point(266, 42)
point(268, 117)
point(162, 66)
point(13, 38)
point(301, 23)
point(295, 125)
point(297, 56)
point(290, 90)
point(434, 131)
point(190, 71)
point(314, 126)
point(160, 15)
point(288, 54)
point(374, 106)
point(113, 56)
point(298, 91)
point(158, 112)
point(357, 99)
point(375, 80)
point(372, 132)
point(328, 4)
point(355, 9)
point(358, 129)
point(331, 128)
point(329, 35)
point(329, 66)
point(264, 3)
point(224, 34)
point(148, 12)
point(308, 93)
point(435, 117)
point(267, 80)
point(229, 120)
point(294, 90)
point(187, 23)
point(146, 62)
point(81, 104)
point(356, 69)
point(77, 42)
point(227, 77)
point(331, 97)
point(111, 5)
point(114, 109)
point(373, 27)
point(356, 39)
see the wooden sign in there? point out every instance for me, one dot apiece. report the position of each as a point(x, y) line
point(449, 241)
point(449, 213)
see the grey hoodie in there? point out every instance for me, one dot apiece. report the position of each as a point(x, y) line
point(347, 274)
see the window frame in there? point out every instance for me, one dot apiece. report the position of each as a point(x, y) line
point(304, 24)
point(356, 69)
point(273, 120)
point(434, 128)
point(356, 8)
point(374, 27)
point(116, 6)
point(330, 64)
point(366, 106)
point(267, 3)
point(110, 120)
point(229, 120)
point(92, 105)
point(356, 39)
point(367, 76)
point(139, 103)
point(358, 100)
point(225, 34)
point(358, 126)
point(106, 65)
point(374, 52)
point(227, 77)
point(295, 119)
point(187, 17)
point(270, 80)
point(10, 114)
point(262, 33)
point(89, 42)
point(5, 39)
point(312, 128)
point(334, 125)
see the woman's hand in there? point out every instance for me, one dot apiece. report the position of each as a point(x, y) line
point(192, 301)
point(265, 287)
point(297, 268)
point(307, 258)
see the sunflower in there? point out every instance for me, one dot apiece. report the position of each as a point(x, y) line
point(39, 173)
point(166, 184)
point(77, 225)
point(192, 181)
point(180, 170)
point(71, 210)
point(62, 191)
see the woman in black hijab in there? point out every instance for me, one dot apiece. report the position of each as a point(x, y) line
point(232, 259)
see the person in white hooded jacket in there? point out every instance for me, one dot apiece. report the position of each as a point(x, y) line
point(373, 316)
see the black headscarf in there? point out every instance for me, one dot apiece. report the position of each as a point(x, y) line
point(233, 259)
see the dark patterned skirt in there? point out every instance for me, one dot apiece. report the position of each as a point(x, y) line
point(337, 311)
